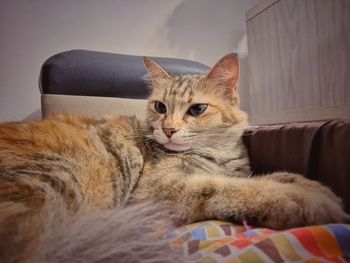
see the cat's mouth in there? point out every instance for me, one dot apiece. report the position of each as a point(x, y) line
point(176, 146)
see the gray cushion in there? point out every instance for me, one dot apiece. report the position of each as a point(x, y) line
point(91, 73)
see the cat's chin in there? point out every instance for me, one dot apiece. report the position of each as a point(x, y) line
point(176, 147)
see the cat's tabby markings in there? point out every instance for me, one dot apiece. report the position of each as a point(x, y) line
point(189, 153)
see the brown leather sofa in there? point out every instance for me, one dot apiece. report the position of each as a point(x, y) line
point(319, 150)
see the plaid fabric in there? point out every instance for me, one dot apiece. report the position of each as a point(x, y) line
point(218, 241)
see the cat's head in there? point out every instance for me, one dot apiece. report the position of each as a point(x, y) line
point(193, 111)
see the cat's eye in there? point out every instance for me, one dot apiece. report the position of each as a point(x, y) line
point(160, 107)
point(197, 109)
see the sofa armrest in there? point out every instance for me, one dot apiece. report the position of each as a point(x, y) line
point(318, 150)
point(101, 74)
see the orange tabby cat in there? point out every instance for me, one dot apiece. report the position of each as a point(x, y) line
point(189, 153)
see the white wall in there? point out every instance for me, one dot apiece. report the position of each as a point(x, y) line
point(32, 31)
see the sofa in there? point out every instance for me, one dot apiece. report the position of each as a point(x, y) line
point(94, 83)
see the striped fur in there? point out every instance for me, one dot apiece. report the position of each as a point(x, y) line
point(82, 162)
point(62, 179)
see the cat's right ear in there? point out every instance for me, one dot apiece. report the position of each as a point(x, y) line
point(226, 73)
point(155, 71)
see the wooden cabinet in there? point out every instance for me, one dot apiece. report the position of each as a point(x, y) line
point(299, 60)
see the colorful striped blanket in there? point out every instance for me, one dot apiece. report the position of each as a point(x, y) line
point(218, 241)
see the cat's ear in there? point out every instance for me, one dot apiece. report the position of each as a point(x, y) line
point(226, 72)
point(155, 71)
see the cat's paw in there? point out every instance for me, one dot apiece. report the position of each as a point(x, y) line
point(301, 181)
point(290, 206)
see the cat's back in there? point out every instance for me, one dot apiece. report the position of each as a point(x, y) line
point(65, 134)
point(72, 155)
point(53, 134)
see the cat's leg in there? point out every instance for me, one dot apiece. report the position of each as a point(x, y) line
point(266, 201)
point(278, 204)
point(120, 156)
point(130, 160)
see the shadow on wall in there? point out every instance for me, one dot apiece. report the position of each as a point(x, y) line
point(204, 30)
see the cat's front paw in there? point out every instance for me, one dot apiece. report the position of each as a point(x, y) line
point(292, 206)
point(301, 181)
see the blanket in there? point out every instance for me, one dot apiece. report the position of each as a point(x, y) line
point(218, 241)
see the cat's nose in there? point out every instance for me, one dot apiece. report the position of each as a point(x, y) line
point(169, 131)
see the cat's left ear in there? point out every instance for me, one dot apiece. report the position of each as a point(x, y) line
point(155, 71)
point(226, 72)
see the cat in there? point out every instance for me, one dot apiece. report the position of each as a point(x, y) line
point(188, 154)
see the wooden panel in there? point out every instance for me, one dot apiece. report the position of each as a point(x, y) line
point(259, 7)
point(299, 61)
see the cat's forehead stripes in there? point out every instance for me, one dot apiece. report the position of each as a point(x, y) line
point(179, 94)
point(181, 89)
